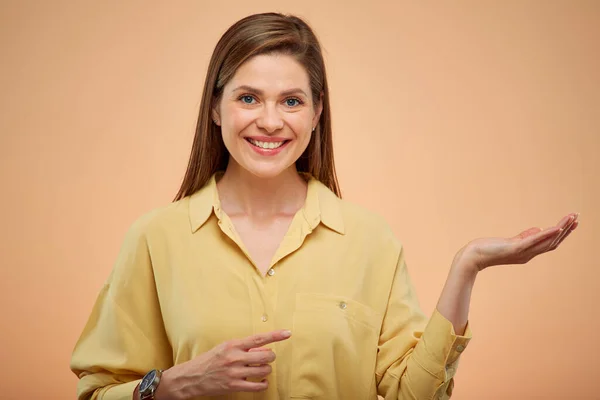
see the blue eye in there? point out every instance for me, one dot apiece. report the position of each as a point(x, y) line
point(293, 99)
point(290, 102)
point(244, 98)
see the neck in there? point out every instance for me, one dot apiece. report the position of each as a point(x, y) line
point(242, 193)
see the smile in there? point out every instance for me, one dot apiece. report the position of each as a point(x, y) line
point(266, 145)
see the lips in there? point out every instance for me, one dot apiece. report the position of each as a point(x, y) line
point(266, 145)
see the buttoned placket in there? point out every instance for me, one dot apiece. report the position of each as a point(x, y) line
point(264, 296)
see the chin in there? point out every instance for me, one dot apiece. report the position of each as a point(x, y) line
point(266, 171)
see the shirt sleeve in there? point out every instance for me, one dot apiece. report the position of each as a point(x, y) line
point(124, 336)
point(417, 358)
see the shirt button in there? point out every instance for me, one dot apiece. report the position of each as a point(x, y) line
point(343, 305)
point(271, 272)
point(460, 348)
point(264, 318)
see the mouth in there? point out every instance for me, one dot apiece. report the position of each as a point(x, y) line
point(266, 145)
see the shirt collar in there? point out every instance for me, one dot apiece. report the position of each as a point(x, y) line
point(321, 206)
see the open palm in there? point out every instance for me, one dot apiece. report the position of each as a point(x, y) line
point(521, 248)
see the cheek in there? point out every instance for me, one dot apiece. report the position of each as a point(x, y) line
point(240, 118)
point(234, 122)
point(302, 126)
point(304, 133)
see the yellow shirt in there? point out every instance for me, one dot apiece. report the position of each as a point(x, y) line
point(183, 283)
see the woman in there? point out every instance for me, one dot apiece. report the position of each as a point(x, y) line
point(258, 281)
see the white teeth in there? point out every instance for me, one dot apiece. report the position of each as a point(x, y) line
point(266, 145)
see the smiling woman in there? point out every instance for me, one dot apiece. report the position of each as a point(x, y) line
point(258, 281)
point(266, 82)
point(267, 110)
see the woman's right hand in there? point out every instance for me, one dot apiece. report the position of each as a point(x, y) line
point(224, 369)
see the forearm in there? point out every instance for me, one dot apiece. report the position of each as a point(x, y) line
point(455, 298)
point(417, 358)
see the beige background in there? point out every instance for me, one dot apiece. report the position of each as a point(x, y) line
point(452, 119)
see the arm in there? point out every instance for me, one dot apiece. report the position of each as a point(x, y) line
point(417, 358)
point(455, 298)
point(124, 336)
point(420, 364)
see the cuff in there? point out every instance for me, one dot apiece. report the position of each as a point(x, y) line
point(121, 392)
point(439, 349)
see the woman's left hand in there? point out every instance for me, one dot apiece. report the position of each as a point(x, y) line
point(519, 249)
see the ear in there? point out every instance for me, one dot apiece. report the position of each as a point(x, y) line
point(216, 117)
point(318, 111)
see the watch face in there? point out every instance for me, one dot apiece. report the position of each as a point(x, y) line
point(147, 381)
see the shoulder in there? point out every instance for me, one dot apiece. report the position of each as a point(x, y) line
point(368, 225)
point(160, 221)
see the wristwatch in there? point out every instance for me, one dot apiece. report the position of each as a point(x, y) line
point(149, 384)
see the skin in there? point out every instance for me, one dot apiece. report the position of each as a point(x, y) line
point(483, 253)
point(262, 193)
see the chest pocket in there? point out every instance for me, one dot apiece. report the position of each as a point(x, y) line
point(334, 348)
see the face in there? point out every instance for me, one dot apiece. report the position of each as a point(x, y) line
point(267, 115)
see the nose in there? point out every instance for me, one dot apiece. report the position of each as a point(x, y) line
point(270, 119)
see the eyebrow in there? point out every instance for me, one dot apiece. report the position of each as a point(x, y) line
point(260, 92)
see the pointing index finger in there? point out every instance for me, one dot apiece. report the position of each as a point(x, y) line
point(262, 339)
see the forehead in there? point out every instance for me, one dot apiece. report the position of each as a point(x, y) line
point(271, 72)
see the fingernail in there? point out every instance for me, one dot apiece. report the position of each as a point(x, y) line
point(286, 333)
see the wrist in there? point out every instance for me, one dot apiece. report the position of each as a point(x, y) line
point(465, 265)
point(166, 389)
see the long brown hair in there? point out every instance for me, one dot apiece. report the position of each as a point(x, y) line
point(257, 34)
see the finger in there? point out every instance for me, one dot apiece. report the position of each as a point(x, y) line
point(257, 373)
point(557, 237)
point(566, 229)
point(262, 339)
point(564, 221)
point(549, 244)
point(567, 220)
point(259, 349)
point(248, 386)
point(565, 236)
point(570, 222)
point(541, 247)
point(542, 236)
point(259, 357)
point(560, 237)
